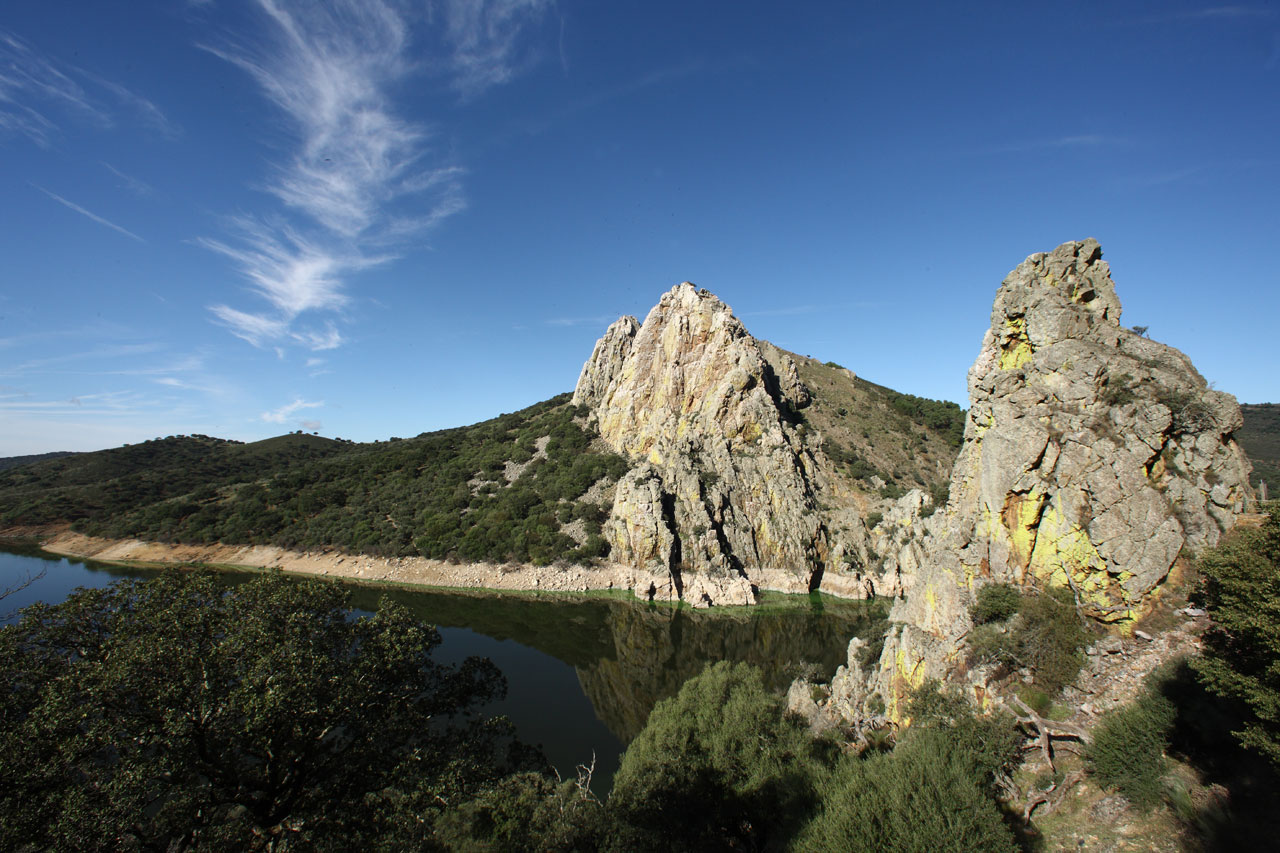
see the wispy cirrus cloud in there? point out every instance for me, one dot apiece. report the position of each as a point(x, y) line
point(286, 411)
point(30, 85)
point(134, 185)
point(90, 214)
point(1078, 141)
point(35, 89)
point(359, 179)
point(483, 39)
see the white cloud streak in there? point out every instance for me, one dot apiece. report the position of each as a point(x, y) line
point(25, 77)
point(327, 69)
point(31, 85)
point(90, 214)
point(138, 187)
point(483, 36)
point(354, 164)
point(283, 413)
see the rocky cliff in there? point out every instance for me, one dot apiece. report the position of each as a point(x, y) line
point(721, 491)
point(1092, 457)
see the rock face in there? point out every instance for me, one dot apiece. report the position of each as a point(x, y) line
point(722, 481)
point(1092, 456)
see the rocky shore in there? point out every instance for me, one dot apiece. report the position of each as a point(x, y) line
point(418, 571)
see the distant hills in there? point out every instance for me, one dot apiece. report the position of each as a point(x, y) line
point(7, 462)
point(1260, 438)
point(530, 486)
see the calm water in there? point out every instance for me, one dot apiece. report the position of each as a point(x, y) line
point(582, 675)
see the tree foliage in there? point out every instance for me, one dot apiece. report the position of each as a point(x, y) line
point(934, 793)
point(442, 495)
point(717, 767)
point(996, 602)
point(1241, 590)
point(177, 713)
point(1128, 746)
point(1045, 634)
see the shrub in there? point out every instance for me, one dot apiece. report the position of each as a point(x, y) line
point(1119, 390)
point(934, 793)
point(1128, 746)
point(525, 811)
point(1241, 661)
point(996, 602)
point(1045, 635)
point(716, 767)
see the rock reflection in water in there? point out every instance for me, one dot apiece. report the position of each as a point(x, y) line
point(630, 655)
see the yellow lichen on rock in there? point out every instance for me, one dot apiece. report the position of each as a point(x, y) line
point(1021, 520)
point(1015, 346)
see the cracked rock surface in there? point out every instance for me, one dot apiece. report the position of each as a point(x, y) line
point(1092, 456)
point(720, 493)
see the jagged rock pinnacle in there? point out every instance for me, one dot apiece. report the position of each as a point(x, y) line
point(721, 483)
point(1092, 457)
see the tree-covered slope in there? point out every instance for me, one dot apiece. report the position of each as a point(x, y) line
point(8, 462)
point(869, 430)
point(1260, 438)
point(507, 488)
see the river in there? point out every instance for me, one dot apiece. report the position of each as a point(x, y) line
point(582, 672)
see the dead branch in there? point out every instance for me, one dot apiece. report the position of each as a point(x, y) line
point(1045, 731)
point(1053, 797)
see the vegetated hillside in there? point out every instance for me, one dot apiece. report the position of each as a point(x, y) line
point(511, 488)
point(871, 431)
point(8, 462)
point(1260, 438)
point(507, 488)
point(97, 487)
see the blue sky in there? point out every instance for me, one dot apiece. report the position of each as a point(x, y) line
point(373, 219)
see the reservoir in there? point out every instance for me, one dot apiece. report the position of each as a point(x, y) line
point(583, 672)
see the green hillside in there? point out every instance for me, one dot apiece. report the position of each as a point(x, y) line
point(8, 462)
point(517, 487)
point(459, 492)
point(871, 431)
point(1260, 438)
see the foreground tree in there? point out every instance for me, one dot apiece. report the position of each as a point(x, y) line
point(178, 713)
point(1241, 590)
point(717, 767)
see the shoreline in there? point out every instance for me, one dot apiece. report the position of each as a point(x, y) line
point(420, 571)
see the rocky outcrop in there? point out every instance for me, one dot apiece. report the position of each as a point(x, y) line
point(1092, 457)
point(721, 484)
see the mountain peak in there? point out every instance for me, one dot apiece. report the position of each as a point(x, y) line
point(721, 479)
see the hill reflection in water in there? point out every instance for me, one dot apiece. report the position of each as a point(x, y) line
point(583, 672)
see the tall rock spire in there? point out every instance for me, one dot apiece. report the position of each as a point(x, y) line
point(1092, 457)
point(721, 485)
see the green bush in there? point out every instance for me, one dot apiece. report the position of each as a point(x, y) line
point(717, 767)
point(931, 794)
point(524, 812)
point(1241, 661)
point(1046, 635)
point(996, 602)
point(1128, 747)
